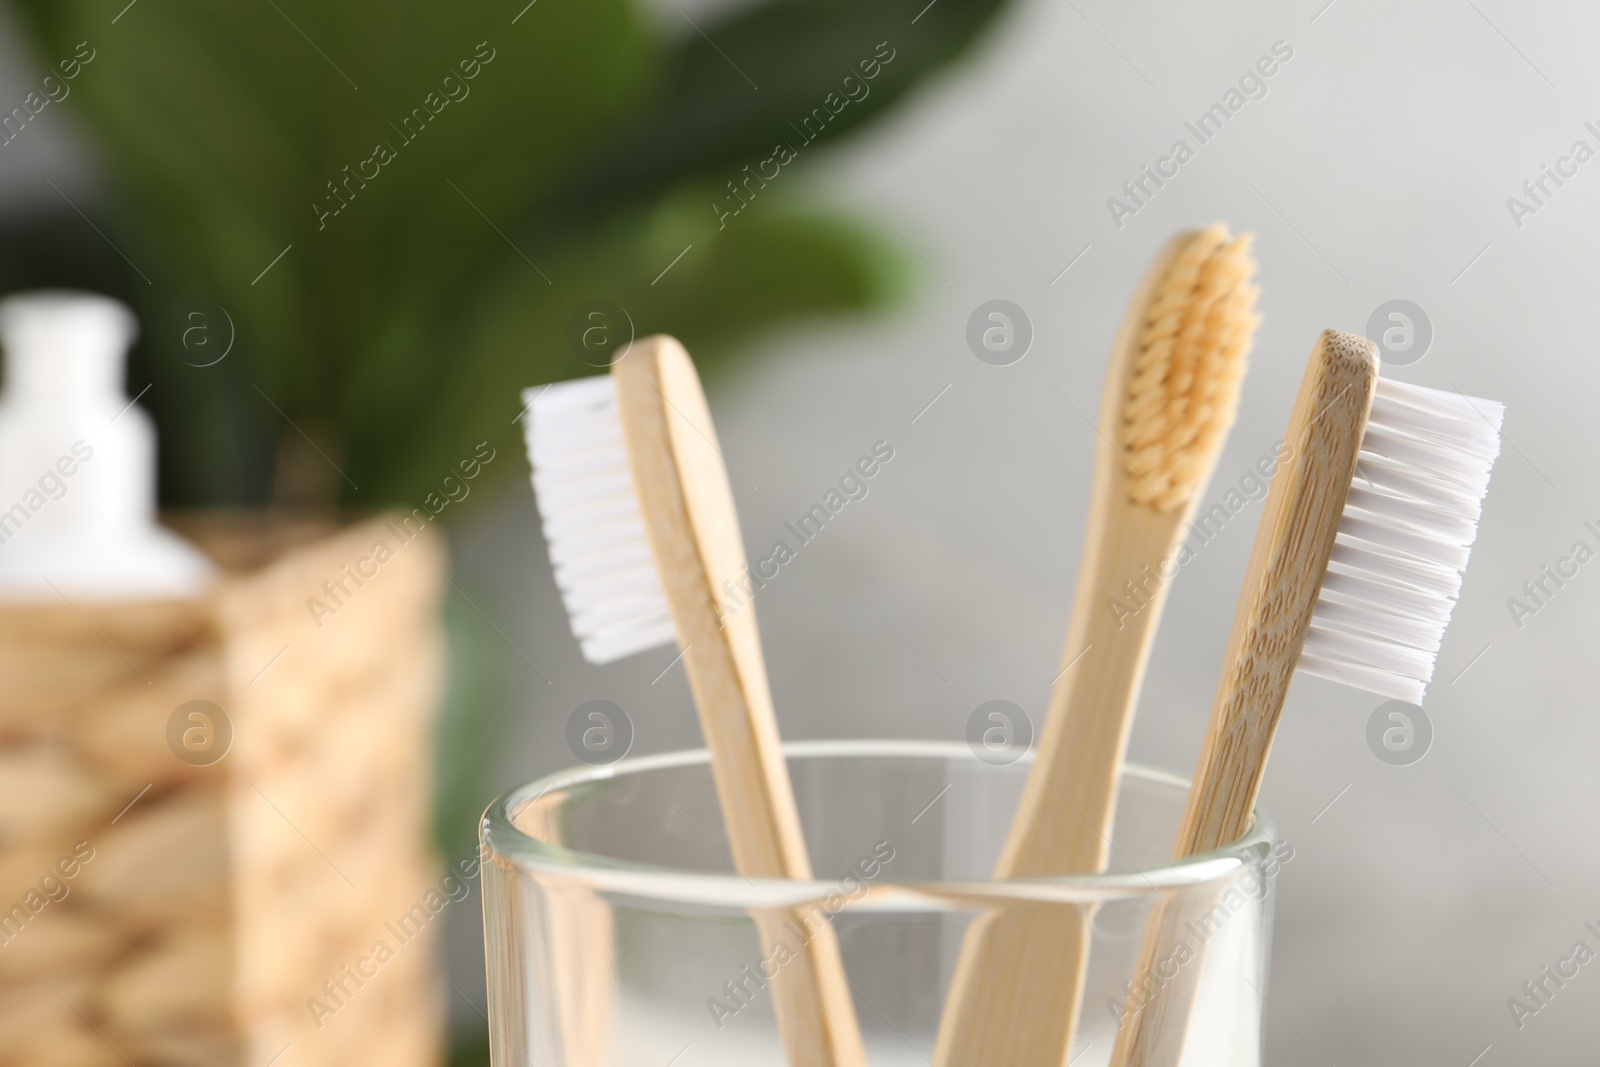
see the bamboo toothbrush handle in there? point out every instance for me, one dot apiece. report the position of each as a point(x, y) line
point(687, 504)
point(1067, 803)
point(1063, 823)
point(688, 510)
point(1014, 996)
point(1284, 577)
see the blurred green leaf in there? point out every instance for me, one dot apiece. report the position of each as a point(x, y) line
point(789, 71)
point(400, 204)
point(365, 142)
point(470, 1050)
point(727, 285)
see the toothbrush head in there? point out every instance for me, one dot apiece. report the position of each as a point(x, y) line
point(1183, 388)
point(599, 548)
point(1404, 537)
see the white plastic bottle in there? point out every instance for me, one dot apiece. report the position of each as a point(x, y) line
point(78, 461)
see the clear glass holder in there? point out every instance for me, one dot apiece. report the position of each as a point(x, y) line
point(618, 935)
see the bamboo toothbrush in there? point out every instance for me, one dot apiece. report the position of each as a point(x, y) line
point(640, 522)
point(1353, 583)
point(1170, 395)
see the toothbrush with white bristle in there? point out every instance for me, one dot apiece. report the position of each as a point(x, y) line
point(638, 514)
point(1354, 574)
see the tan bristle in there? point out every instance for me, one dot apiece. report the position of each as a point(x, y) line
point(1183, 391)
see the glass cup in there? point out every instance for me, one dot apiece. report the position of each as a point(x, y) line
point(618, 934)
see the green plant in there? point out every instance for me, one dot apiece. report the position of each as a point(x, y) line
point(572, 154)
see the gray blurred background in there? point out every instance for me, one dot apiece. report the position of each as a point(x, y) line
point(1377, 167)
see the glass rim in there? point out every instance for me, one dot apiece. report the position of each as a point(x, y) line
point(501, 841)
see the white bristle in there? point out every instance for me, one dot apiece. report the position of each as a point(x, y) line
point(592, 524)
point(1404, 538)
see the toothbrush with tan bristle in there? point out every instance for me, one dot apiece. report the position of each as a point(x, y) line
point(1349, 582)
point(1170, 395)
point(642, 533)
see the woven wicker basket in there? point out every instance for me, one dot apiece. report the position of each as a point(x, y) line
point(172, 898)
